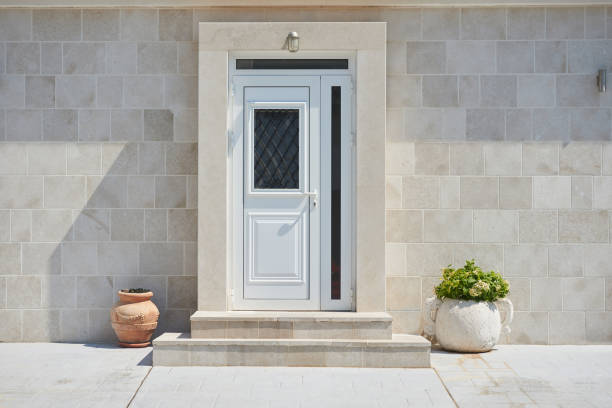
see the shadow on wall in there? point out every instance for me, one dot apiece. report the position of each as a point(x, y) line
point(123, 216)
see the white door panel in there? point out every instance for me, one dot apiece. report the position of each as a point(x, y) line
point(276, 121)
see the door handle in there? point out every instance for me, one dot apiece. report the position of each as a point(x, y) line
point(314, 195)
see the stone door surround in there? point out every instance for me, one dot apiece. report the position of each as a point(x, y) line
point(216, 43)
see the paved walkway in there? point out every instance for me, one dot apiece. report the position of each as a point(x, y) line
point(75, 375)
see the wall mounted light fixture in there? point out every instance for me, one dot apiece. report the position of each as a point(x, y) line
point(293, 42)
point(601, 80)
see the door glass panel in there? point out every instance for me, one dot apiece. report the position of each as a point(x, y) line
point(336, 181)
point(277, 149)
point(292, 63)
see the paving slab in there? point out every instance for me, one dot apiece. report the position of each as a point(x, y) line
point(65, 375)
point(528, 376)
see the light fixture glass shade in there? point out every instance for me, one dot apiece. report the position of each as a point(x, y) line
point(293, 42)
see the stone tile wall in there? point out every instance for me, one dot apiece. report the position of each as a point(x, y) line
point(98, 118)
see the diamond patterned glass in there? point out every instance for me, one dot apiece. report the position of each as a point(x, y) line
point(277, 149)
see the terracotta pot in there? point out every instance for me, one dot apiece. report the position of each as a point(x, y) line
point(134, 319)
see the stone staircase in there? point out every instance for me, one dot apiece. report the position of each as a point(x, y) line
point(300, 339)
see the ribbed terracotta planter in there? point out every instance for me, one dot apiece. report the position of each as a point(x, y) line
point(134, 319)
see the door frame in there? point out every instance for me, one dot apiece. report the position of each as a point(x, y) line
point(326, 79)
point(216, 43)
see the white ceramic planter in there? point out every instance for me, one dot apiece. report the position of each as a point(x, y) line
point(466, 325)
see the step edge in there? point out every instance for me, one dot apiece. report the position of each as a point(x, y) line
point(292, 316)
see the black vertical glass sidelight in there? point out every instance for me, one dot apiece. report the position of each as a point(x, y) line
point(336, 181)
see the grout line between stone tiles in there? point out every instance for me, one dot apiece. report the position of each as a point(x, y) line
point(139, 386)
point(445, 387)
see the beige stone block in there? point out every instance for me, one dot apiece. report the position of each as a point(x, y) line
point(170, 192)
point(192, 191)
point(393, 191)
point(599, 327)
point(74, 325)
point(117, 258)
point(435, 257)
point(395, 125)
point(16, 24)
point(520, 293)
point(498, 90)
point(526, 23)
point(597, 260)
point(10, 330)
point(607, 159)
point(100, 25)
point(440, 91)
point(92, 225)
point(23, 58)
point(275, 330)
point(58, 291)
point(406, 322)
point(582, 192)
point(551, 124)
point(65, 192)
point(529, 328)
point(502, 159)
point(106, 192)
point(538, 226)
point(482, 57)
point(583, 294)
point(47, 159)
point(516, 57)
point(403, 91)
point(450, 192)
point(188, 58)
point(441, 23)
point(84, 159)
point(403, 293)
point(565, 260)
point(580, 159)
point(602, 192)
point(483, 24)
point(156, 225)
point(583, 226)
point(467, 159)
point(552, 192)
point(127, 225)
point(515, 192)
point(119, 158)
point(99, 327)
point(23, 292)
point(400, 158)
point(51, 225)
point(448, 226)
point(182, 292)
point(426, 57)
point(395, 259)
point(431, 158)
point(487, 256)
point(94, 125)
point(176, 25)
point(79, 258)
point(161, 259)
point(551, 56)
point(139, 25)
point(56, 24)
point(151, 158)
point(13, 159)
point(609, 294)
point(536, 90)
point(84, 58)
point(453, 123)
point(525, 260)
point(180, 92)
point(94, 291)
point(495, 226)
point(404, 226)
point(564, 22)
point(42, 259)
point(141, 192)
point(546, 294)
point(181, 158)
point(208, 329)
point(5, 225)
point(540, 159)
point(396, 57)
point(241, 330)
point(182, 225)
point(423, 124)
point(190, 262)
point(11, 259)
point(21, 192)
point(20, 228)
point(567, 328)
point(421, 192)
point(41, 325)
point(519, 124)
point(479, 192)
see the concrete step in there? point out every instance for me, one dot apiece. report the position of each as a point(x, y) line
point(179, 349)
point(291, 325)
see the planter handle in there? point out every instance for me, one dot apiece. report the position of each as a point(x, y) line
point(429, 316)
point(507, 309)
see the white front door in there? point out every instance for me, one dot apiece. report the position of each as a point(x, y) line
point(277, 132)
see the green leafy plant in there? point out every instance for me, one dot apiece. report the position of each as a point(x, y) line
point(471, 283)
point(136, 290)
